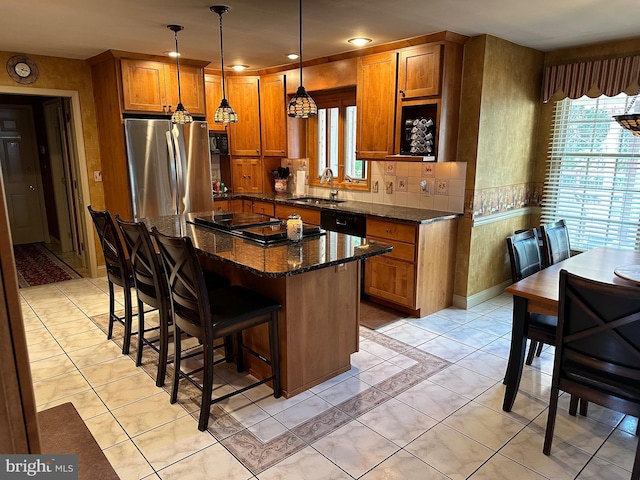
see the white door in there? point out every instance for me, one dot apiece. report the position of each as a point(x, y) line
point(19, 162)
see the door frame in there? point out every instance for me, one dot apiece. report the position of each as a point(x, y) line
point(81, 163)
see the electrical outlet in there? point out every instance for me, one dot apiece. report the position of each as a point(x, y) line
point(97, 176)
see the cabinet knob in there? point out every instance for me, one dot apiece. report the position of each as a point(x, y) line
point(388, 230)
point(402, 94)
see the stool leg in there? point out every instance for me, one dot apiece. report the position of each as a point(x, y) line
point(274, 346)
point(128, 320)
point(140, 333)
point(207, 386)
point(163, 314)
point(240, 353)
point(112, 311)
point(177, 353)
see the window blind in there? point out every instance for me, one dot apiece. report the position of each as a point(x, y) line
point(593, 174)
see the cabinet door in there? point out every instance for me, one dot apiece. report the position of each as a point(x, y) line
point(143, 86)
point(419, 72)
point(191, 87)
point(244, 136)
point(375, 101)
point(238, 175)
point(254, 175)
point(390, 279)
point(273, 115)
point(213, 96)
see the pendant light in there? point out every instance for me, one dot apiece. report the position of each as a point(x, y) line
point(630, 121)
point(180, 115)
point(224, 113)
point(302, 105)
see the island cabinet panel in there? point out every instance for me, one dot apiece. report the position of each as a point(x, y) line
point(243, 96)
point(273, 115)
point(213, 96)
point(246, 175)
point(152, 87)
point(308, 215)
point(417, 276)
point(375, 101)
point(419, 71)
point(265, 208)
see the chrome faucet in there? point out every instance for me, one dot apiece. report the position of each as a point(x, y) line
point(327, 175)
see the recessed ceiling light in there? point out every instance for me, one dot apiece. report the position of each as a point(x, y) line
point(239, 68)
point(173, 54)
point(292, 56)
point(359, 41)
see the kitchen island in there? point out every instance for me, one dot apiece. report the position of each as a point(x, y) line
point(317, 281)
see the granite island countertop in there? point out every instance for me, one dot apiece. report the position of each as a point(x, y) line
point(387, 212)
point(279, 260)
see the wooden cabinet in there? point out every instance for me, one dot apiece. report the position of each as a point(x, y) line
point(273, 115)
point(265, 208)
point(375, 101)
point(419, 71)
point(220, 204)
point(418, 275)
point(244, 136)
point(246, 175)
point(152, 87)
point(308, 215)
point(213, 96)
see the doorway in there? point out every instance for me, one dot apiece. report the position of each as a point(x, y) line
point(61, 182)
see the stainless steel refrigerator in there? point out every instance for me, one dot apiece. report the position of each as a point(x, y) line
point(169, 167)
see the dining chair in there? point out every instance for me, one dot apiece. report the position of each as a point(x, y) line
point(211, 314)
point(555, 243)
point(597, 355)
point(525, 259)
point(119, 272)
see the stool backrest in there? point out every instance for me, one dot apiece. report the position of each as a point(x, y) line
point(187, 288)
point(115, 257)
point(524, 254)
point(555, 242)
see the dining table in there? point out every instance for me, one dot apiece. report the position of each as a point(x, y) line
point(539, 293)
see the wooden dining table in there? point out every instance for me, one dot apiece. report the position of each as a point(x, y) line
point(539, 293)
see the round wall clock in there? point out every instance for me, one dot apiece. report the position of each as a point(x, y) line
point(22, 69)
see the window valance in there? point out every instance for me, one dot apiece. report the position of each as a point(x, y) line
point(608, 77)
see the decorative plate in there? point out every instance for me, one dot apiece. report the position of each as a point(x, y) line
point(628, 272)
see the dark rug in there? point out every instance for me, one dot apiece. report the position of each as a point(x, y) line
point(374, 316)
point(36, 265)
point(62, 431)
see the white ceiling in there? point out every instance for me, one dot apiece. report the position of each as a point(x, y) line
point(260, 33)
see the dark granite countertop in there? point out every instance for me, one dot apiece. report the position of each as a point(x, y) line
point(279, 260)
point(388, 212)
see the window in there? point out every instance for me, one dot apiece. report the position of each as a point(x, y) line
point(593, 179)
point(331, 140)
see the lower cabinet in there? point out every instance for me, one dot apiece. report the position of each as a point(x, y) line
point(265, 208)
point(308, 215)
point(246, 175)
point(418, 275)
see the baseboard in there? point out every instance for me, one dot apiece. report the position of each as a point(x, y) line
point(476, 299)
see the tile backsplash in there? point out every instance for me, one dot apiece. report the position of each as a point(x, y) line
point(401, 183)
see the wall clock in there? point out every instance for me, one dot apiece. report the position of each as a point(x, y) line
point(22, 69)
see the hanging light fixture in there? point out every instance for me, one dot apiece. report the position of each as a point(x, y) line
point(302, 105)
point(630, 121)
point(180, 115)
point(224, 113)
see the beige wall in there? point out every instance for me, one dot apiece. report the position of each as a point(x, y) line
point(500, 103)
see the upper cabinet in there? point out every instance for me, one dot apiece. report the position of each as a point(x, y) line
point(273, 115)
point(244, 97)
point(419, 71)
point(152, 87)
point(213, 96)
point(375, 102)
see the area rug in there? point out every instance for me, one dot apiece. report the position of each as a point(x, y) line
point(374, 316)
point(36, 265)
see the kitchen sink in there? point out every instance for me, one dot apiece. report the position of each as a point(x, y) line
point(316, 201)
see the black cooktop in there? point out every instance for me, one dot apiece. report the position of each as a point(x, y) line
point(278, 233)
point(235, 221)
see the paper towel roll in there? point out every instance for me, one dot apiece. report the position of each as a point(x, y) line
point(301, 177)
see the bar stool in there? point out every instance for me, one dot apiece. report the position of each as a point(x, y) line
point(119, 271)
point(210, 314)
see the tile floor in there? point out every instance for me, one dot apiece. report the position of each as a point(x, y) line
point(422, 401)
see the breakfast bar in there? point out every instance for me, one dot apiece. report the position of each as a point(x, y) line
point(317, 281)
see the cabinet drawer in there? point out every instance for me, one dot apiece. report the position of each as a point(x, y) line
point(266, 208)
point(390, 279)
point(401, 251)
point(400, 232)
point(220, 205)
point(309, 215)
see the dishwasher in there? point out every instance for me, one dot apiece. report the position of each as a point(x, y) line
point(349, 223)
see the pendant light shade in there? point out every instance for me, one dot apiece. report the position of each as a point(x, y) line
point(302, 105)
point(630, 121)
point(224, 113)
point(180, 115)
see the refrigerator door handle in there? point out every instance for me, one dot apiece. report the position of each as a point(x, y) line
point(180, 181)
point(173, 170)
